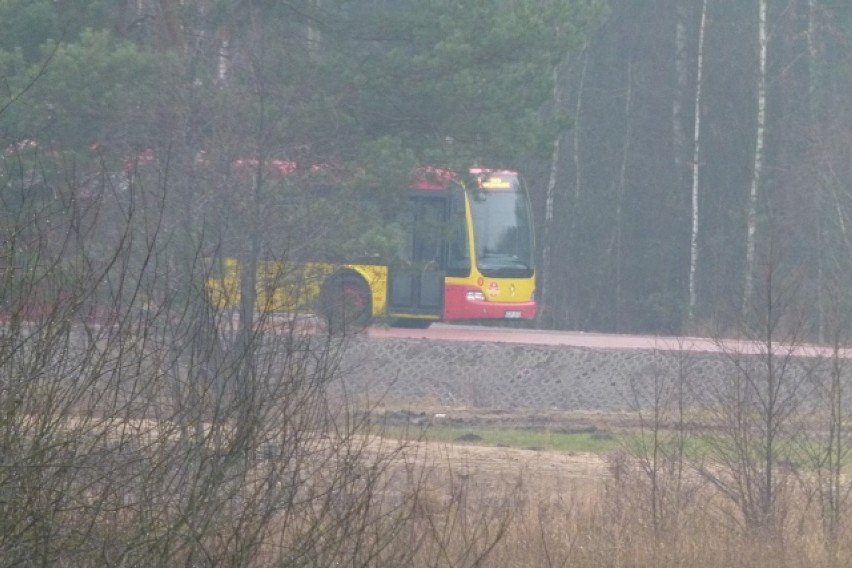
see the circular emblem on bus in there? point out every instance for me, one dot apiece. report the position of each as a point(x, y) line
point(493, 288)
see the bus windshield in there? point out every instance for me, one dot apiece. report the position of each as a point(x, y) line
point(502, 233)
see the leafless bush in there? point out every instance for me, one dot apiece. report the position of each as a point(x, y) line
point(823, 443)
point(768, 437)
point(140, 425)
point(659, 448)
point(751, 410)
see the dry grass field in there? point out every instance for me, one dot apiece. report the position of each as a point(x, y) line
point(534, 507)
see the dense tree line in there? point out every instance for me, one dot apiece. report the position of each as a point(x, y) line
point(224, 94)
point(627, 171)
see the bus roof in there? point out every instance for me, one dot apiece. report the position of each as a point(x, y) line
point(430, 178)
point(425, 178)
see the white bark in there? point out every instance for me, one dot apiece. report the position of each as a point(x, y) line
point(578, 169)
point(681, 78)
point(813, 55)
point(757, 170)
point(314, 35)
point(813, 58)
point(547, 236)
point(696, 158)
point(224, 61)
point(622, 186)
point(578, 177)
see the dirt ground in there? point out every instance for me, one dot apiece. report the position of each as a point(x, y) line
point(565, 422)
point(507, 464)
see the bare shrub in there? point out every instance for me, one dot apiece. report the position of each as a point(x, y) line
point(751, 411)
point(141, 425)
point(664, 408)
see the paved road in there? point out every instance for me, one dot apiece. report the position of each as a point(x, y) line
point(451, 332)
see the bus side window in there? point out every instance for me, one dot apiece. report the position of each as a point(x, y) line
point(458, 263)
point(406, 219)
point(428, 230)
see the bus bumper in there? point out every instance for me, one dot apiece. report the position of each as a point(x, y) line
point(458, 306)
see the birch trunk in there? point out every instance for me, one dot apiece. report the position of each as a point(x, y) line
point(314, 35)
point(813, 58)
point(578, 176)
point(681, 79)
point(171, 28)
point(622, 186)
point(547, 303)
point(757, 170)
point(696, 160)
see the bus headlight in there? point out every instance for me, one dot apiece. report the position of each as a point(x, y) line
point(474, 296)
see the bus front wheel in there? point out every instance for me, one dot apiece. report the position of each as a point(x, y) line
point(346, 303)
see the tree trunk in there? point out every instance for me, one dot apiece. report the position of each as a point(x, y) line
point(681, 80)
point(813, 58)
point(619, 203)
point(546, 314)
point(172, 30)
point(696, 158)
point(757, 170)
point(578, 183)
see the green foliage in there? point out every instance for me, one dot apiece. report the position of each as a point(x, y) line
point(27, 25)
point(373, 88)
point(475, 73)
point(593, 441)
point(331, 84)
point(381, 241)
point(95, 90)
point(385, 167)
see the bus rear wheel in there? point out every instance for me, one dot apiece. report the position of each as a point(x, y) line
point(346, 303)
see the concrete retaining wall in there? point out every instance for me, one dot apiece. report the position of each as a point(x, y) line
point(503, 375)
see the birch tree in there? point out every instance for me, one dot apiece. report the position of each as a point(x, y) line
point(678, 129)
point(813, 55)
point(546, 256)
point(578, 168)
point(757, 167)
point(618, 236)
point(696, 157)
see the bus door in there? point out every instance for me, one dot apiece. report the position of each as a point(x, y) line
point(416, 279)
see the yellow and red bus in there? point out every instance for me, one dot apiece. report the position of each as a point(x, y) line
point(468, 255)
